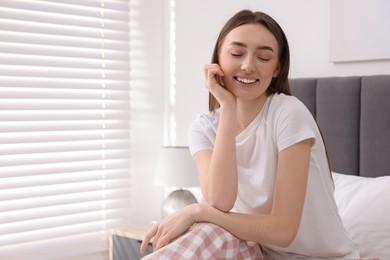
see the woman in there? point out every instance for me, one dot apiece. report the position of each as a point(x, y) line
point(261, 159)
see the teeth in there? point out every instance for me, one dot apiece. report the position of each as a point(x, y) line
point(246, 81)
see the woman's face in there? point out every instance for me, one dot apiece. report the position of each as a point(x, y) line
point(249, 59)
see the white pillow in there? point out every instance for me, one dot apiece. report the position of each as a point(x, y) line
point(364, 206)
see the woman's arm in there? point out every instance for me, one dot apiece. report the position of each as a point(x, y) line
point(218, 167)
point(278, 228)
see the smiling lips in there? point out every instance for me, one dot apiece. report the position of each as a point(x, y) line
point(246, 81)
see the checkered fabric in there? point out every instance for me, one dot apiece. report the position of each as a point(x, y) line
point(208, 241)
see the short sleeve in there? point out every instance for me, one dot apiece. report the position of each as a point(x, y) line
point(201, 134)
point(293, 123)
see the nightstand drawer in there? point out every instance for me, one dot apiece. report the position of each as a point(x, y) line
point(126, 242)
point(124, 248)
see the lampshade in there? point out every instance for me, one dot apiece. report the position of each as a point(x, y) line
point(176, 168)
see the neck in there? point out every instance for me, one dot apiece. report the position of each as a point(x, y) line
point(247, 112)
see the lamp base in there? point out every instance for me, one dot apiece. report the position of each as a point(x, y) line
point(177, 199)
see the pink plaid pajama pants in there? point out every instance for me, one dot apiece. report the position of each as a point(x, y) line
point(207, 241)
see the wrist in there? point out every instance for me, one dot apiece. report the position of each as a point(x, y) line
point(229, 107)
point(228, 114)
point(197, 212)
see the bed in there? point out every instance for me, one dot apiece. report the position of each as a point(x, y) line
point(353, 114)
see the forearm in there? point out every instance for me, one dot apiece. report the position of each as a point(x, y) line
point(268, 229)
point(220, 187)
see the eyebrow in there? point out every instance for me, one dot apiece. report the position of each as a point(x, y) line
point(265, 47)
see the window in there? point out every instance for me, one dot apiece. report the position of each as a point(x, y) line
point(64, 127)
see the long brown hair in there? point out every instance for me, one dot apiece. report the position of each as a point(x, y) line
point(278, 84)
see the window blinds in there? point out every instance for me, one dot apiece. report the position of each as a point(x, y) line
point(64, 127)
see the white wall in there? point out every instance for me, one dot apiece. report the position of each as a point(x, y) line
point(369, 41)
point(306, 24)
point(147, 103)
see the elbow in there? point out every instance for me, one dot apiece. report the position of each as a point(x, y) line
point(222, 204)
point(285, 241)
point(282, 232)
point(286, 238)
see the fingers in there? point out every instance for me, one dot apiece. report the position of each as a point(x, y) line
point(159, 236)
point(213, 74)
point(156, 238)
point(213, 67)
point(147, 238)
point(161, 242)
point(215, 84)
point(162, 238)
point(168, 229)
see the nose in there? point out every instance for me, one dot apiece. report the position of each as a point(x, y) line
point(247, 64)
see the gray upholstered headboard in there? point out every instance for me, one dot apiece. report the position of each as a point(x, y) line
point(353, 114)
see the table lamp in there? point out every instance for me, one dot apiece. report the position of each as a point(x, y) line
point(176, 168)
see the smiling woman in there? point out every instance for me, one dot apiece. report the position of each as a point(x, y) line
point(251, 62)
point(261, 161)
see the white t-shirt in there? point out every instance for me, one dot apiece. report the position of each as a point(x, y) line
point(282, 122)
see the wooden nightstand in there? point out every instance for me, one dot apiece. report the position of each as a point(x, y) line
point(125, 242)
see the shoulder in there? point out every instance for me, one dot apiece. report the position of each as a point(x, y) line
point(290, 121)
point(282, 105)
point(202, 131)
point(207, 120)
point(288, 112)
point(282, 101)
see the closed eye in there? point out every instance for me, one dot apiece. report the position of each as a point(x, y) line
point(236, 54)
point(263, 59)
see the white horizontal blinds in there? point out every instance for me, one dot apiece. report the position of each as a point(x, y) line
point(64, 127)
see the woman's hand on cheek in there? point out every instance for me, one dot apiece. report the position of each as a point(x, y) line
point(170, 228)
point(214, 83)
